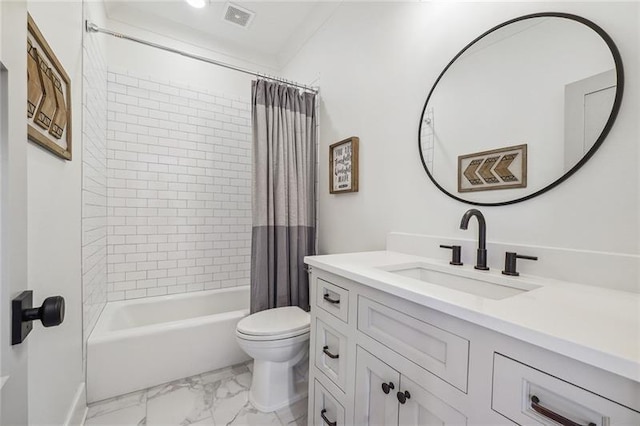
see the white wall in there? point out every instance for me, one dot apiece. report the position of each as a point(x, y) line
point(127, 56)
point(376, 64)
point(54, 237)
point(179, 188)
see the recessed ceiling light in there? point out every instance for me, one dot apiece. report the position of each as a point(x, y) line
point(198, 4)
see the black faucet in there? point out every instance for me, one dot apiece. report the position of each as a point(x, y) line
point(481, 261)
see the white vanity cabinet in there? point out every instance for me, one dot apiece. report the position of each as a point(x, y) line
point(384, 396)
point(379, 359)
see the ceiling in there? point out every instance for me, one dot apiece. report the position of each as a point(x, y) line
point(277, 31)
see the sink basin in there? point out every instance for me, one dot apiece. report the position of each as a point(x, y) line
point(469, 281)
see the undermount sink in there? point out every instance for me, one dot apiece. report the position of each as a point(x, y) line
point(469, 281)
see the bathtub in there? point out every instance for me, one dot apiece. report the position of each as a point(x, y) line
point(141, 343)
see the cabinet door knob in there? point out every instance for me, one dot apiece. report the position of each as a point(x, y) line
point(403, 396)
point(386, 387)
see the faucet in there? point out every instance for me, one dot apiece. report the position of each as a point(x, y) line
point(481, 261)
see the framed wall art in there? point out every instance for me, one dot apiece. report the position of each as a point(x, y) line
point(48, 96)
point(502, 168)
point(343, 166)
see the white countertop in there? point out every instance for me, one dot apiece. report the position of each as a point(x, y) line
point(598, 326)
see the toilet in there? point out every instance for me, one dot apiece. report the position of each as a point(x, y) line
point(277, 339)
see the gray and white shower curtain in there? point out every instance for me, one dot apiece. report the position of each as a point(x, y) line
point(283, 194)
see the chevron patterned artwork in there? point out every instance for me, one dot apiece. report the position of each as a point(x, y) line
point(48, 96)
point(501, 168)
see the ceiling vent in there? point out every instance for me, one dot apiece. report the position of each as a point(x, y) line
point(238, 15)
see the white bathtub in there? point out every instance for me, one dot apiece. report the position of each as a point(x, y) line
point(145, 342)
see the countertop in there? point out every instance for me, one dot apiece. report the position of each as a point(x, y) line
point(597, 326)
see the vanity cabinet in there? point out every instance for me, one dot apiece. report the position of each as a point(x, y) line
point(384, 396)
point(378, 359)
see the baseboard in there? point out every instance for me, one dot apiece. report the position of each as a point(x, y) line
point(78, 410)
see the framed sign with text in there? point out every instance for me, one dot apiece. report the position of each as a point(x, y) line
point(343, 166)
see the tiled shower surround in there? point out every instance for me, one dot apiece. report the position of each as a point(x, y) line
point(94, 183)
point(178, 188)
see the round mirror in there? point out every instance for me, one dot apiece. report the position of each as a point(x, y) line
point(520, 109)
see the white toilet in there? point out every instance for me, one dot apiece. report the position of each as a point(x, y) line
point(277, 339)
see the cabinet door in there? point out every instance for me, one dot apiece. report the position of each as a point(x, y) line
point(425, 409)
point(372, 405)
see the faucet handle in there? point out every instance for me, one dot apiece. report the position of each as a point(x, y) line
point(510, 262)
point(455, 254)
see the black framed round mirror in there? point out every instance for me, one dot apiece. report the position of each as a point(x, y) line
point(520, 109)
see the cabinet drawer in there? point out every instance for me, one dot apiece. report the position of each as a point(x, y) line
point(442, 353)
point(331, 353)
point(333, 299)
point(531, 397)
point(327, 410)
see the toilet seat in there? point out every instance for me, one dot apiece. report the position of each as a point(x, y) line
point(274, 324)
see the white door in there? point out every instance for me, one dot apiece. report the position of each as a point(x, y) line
point(588, 104)
point(13, 206)
point(420, 407)
point(376, 388)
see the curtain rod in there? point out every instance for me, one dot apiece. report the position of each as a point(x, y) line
point(93, 28)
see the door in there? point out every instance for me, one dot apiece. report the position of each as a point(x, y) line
point(588, 103)
point(13, 206)
point(420, 407)
point(376, 388)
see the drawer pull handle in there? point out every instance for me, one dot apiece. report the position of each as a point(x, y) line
point(386, 387)
point(403, 396)
point(535, 404)
point(326, 420)
point(330, 300)
point(329, 354)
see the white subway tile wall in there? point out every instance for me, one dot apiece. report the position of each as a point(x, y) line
point(94, 182)
point(178, 188)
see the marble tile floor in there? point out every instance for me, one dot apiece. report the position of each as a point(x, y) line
point(216, 398)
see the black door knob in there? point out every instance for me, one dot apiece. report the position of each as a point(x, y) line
point(50, 314)
point(386, 387)
point(403, 396)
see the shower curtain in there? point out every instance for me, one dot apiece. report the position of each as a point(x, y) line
point(283, 194)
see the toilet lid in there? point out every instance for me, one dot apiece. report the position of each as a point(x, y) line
point(275, 322)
